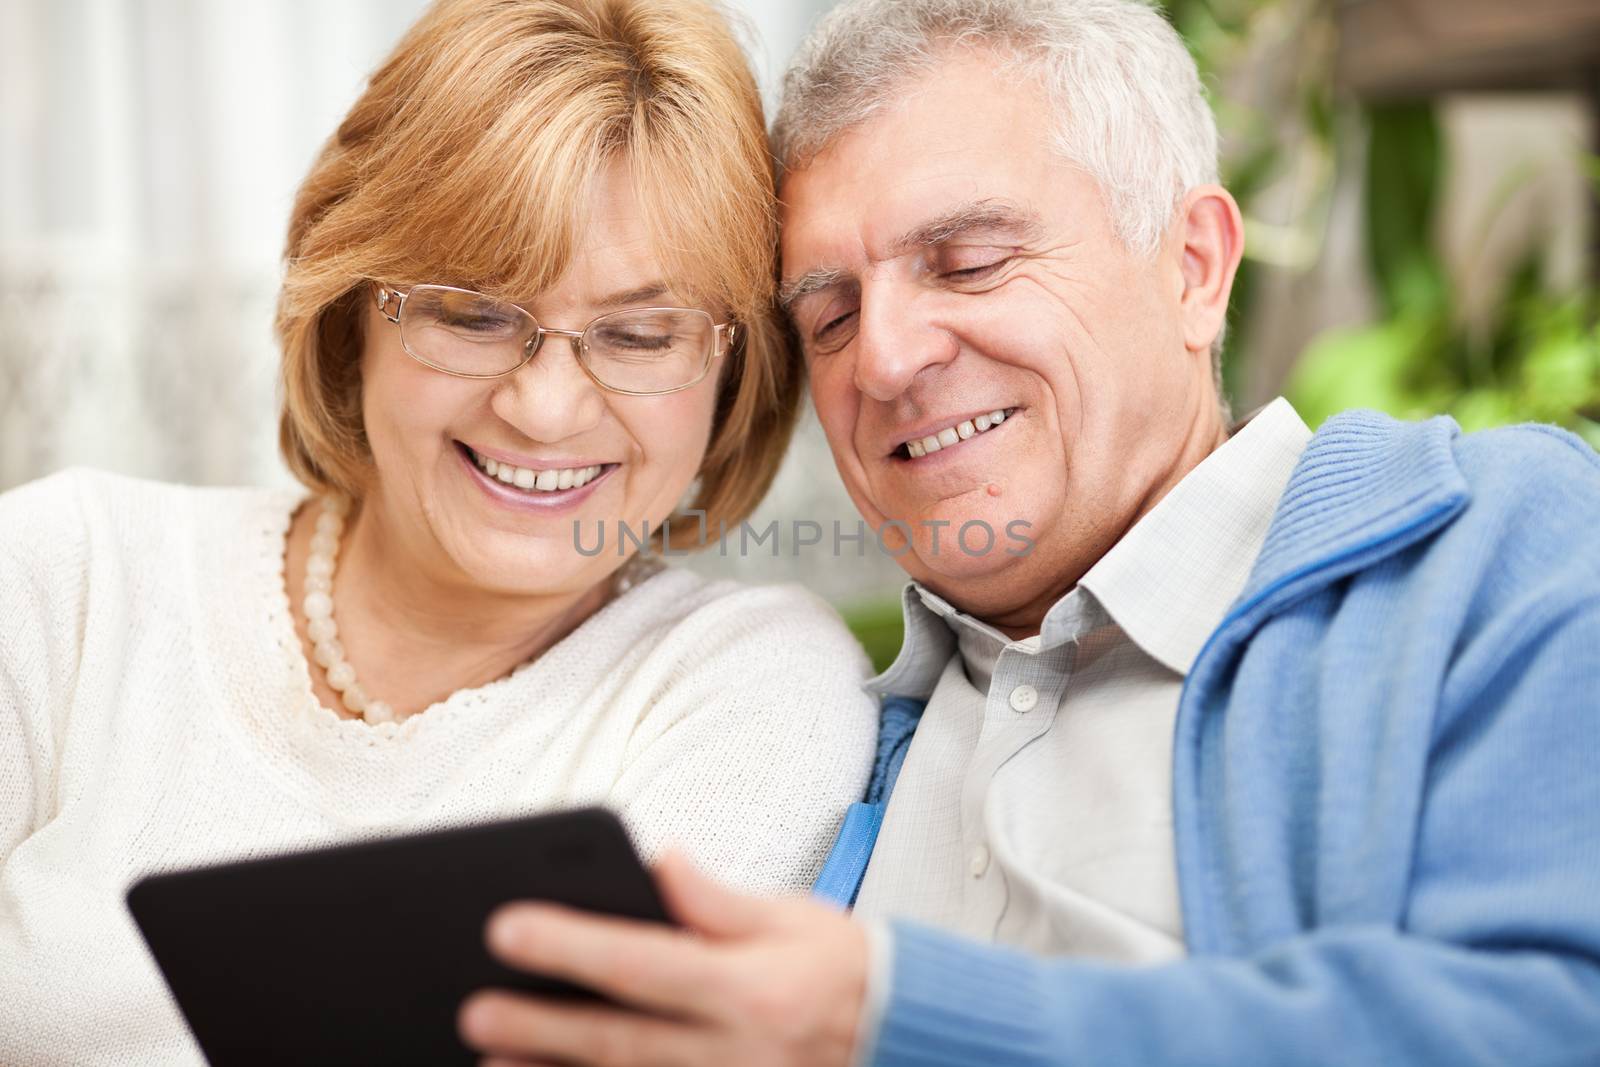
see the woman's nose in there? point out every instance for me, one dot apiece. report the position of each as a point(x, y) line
point(550, 398)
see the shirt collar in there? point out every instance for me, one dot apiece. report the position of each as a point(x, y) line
point(1171, 579)
point(1168, 582)
point(925, 648)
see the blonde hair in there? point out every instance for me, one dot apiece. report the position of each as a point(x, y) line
point(469, 159)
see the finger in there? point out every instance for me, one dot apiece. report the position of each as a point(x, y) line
point(519, 1029)
point(647, 965)
point(707, 907)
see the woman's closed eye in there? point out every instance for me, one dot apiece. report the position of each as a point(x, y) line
point(485, 325)
point(637, 341)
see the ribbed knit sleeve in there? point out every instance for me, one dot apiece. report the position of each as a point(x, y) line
point(42, 586)
point(956, 1002)
point(1342, 995)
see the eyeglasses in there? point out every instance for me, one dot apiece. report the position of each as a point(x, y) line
point(638, 352)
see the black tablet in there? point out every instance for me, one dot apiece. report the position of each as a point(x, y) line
point(361, 954)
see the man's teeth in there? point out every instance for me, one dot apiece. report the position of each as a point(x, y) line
point(538, 481)
point(953, 434)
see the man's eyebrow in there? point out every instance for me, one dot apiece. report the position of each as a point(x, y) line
point(992, 216)
point(794, 290)
point(1000, 217)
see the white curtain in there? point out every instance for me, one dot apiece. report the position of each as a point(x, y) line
point(150, 153)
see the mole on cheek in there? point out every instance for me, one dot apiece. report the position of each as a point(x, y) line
point(994, 490)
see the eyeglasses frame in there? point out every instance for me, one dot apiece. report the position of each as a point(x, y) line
point(725, 334)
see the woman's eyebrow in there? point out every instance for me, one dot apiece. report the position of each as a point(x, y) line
point(644, 294)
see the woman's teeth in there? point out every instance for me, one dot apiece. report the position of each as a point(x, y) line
point(951, 435)
point(549, 481)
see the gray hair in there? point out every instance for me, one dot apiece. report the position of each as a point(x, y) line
point(1131, 112)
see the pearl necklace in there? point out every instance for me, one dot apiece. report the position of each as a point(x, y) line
point(324, 632)
point(320, 627)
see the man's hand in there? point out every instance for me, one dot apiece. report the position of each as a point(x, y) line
point(759, 983)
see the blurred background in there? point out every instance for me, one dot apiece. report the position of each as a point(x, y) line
point(1420, 180)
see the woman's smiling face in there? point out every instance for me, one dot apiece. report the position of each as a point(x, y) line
point(430, 432)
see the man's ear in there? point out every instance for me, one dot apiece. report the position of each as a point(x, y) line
point(1212, 232)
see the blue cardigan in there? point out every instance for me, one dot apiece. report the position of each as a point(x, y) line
point(1386, 792)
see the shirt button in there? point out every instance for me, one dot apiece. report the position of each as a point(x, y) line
point(1024, 698)
point(980, 860)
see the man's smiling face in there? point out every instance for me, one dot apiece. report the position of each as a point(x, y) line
point(941, 262)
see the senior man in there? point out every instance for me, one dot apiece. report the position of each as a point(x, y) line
point(1275, 748)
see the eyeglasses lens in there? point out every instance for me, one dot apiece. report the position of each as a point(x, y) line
point(649, 350)
point(643, 350)
point(465, 332)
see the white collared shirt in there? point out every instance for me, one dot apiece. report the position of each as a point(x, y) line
point(1034, 807)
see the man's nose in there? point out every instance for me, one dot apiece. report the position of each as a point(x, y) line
point(550, 398)
point(896, 340)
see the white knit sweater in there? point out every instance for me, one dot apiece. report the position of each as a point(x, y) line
point(156, 712)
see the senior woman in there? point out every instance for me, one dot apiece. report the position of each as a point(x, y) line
point(528, 290)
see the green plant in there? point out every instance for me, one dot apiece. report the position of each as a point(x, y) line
point(1533, 355)
point(877, 625)
point(1268, 67)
